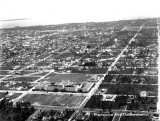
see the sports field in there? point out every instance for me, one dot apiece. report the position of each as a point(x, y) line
point(54, 100)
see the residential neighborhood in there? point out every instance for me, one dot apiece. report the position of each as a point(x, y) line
point(93, 71)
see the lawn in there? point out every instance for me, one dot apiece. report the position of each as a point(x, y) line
point(89, 71)
point(66, 100)
point(35, 98)
point(51, 74)
point(40, 74)
point(54, 100)
point(23, 79)
point(71, 77)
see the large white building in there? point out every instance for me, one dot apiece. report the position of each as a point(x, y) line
point(87, 86)
point(73, 87)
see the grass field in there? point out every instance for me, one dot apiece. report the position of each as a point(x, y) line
point(69, 101)
point(54, 100)
point(71, 77)
point(51, 74)
point(40, 74)
point(23, 79)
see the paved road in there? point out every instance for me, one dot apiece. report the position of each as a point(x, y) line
point(95, 88)
point(117, 116)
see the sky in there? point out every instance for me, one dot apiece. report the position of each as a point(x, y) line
point(31, 12)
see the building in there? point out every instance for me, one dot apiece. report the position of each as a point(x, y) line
point(108, 97)
point(49, 88)
point(39, 87)
point(73, 87)
point(87, 86)
point(93, 78)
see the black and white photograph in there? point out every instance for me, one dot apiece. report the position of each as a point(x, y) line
point(79, 60)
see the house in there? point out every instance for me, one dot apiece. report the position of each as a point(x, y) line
point(108, 97)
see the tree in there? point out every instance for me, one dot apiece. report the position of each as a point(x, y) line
point(51, 112)
point(9, 118)
point(32, 109)
point(7, 93)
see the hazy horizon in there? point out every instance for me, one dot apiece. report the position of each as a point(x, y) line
point(46, 12)
point(11, 23)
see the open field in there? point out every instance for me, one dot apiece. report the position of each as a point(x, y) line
point(54, 100)
point(40, 74)
point(52, 74)
point(23, 79)
point(69, 77)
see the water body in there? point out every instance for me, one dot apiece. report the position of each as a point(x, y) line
point(14, 23)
